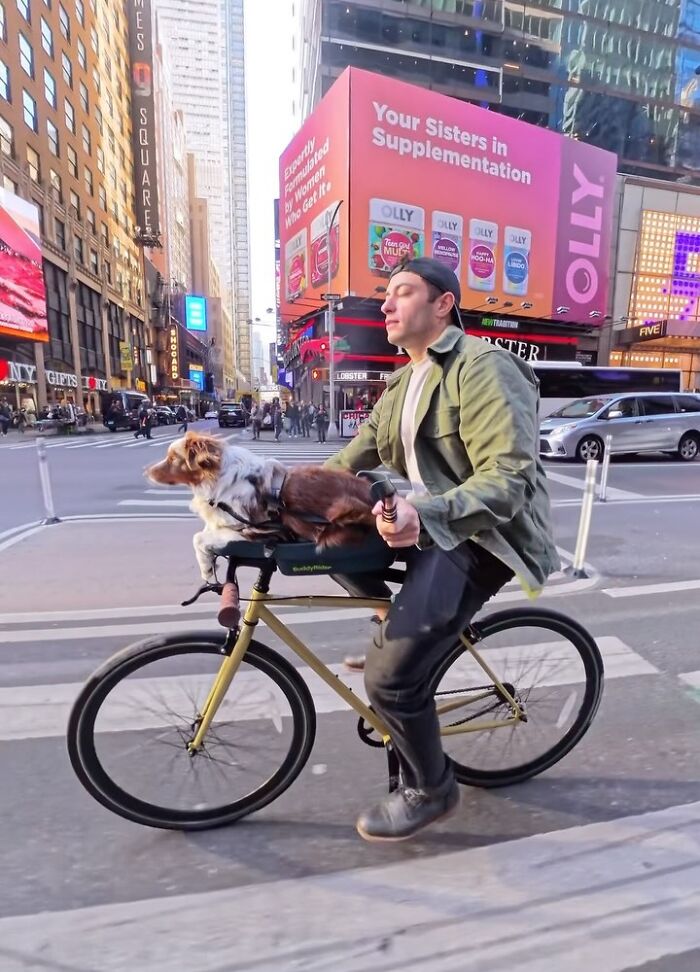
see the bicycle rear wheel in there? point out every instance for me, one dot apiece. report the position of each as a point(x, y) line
point(549, 664)
point(130, 726)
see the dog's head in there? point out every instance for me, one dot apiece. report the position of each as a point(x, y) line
point(190, 461)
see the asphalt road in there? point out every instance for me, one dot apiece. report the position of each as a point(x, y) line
point(594, 864)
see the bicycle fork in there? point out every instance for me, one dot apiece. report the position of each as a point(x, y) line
point(226, 673)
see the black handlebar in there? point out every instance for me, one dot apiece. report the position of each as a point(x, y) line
point(383, 491)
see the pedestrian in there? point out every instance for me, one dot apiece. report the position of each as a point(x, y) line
point(256, 419)
point(294, 419)
point(460, 423)
point(321, 423)
point(145, 418)
point(277, 421)
point(305, 420)
point(182, 417)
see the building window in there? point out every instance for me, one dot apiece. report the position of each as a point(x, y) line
point(5, 82)
point(100, 160)
point(52, 132)
point(26, 56)
point(55, 180)
point(111, 141)
point(33, 164)
point(72, 161)
point(90, 220)
point(67, 69)
point(108, 271)
point(46, 38)
point(98, 120)
point(70, 115)
point(6, 137)
point(8, 184)
point(25, 10)
point(75, 203)
point(88, 180)
point(84, 97)
point(103, 198)
point(78, 249)
point(60, 233)
point(94, 262)
point(80, 12)
point(113, 178)
point(64, 21)
point(47, 4)
point(29, 106)
point(87, 142)
point(94, 40)
point(49, 88)
point(3, 23)
point(82, 55)
point(110, 104)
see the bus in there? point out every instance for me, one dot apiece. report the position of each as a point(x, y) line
point(563, 381)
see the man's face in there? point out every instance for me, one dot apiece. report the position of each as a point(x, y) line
point(412, 320)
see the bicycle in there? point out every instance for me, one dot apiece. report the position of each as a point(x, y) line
point(171, 697)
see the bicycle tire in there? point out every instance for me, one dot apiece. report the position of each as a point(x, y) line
point(87, 766)
point(587, 649)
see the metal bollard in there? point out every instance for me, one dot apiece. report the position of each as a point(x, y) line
point(584, 526)
point(602, 492)
point(45, 484)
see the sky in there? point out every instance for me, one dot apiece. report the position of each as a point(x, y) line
point(268, 53)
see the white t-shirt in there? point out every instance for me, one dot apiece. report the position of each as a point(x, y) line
point(418, 378)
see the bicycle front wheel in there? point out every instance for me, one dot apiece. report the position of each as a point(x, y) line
point(552, 669)
point(131, 724)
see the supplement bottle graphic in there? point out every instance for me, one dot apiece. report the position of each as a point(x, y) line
point(295, 265)
point(396, 230)
point(319, 246)
point(516, 260)
point(447, 239)
point(483, 237)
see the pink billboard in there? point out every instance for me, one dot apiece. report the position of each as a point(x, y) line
point(22, 291)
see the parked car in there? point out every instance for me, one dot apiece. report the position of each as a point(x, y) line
point(211, 414)
point(664, 422)
point(165, 415)
point(231, 415)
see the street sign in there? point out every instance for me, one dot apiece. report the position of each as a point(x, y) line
point(330, 297)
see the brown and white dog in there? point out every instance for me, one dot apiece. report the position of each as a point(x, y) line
point(228, 482)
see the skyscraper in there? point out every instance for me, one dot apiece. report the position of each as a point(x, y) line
point(621, 74)
point(204, 39)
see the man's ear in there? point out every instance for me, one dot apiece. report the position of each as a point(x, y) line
point(444, 305)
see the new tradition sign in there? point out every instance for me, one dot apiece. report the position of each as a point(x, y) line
point(143, 120)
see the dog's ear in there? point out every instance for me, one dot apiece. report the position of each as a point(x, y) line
point(202, 451)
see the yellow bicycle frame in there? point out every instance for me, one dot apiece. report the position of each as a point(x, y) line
point(258, 610)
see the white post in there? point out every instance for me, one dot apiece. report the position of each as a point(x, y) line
point(602, 492)
point(330, 321)
point(584, 526)
point(45, 483)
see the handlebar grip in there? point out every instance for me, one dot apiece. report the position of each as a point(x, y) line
point(384, 490)
point(229, 614)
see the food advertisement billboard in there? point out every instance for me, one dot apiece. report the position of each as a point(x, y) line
point(523, 215)
point(22, 290)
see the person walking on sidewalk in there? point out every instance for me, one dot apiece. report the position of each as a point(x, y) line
point(277, 421)
point(322, 423)
point(5, 416)
point(460, 423)
point(256, 419)
point(294, 417)
point(145, 421)
point(182, 417)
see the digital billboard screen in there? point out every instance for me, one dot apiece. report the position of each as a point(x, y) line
point(523, 215)
point(196, 375)
point(195, 313)
point(22, 289)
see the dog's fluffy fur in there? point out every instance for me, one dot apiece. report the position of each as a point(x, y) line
point(222, 473)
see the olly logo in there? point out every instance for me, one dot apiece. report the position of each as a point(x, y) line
point(448, 225)
point(586, 221)
point(400, 214)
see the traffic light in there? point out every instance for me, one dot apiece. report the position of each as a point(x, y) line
point(319, 374)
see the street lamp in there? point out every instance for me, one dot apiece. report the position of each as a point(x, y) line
point(332, 425)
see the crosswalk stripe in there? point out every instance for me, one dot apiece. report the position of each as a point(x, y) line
point(613, 896)
point(39, 711)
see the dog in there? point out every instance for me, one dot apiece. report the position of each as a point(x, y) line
point(241, 495)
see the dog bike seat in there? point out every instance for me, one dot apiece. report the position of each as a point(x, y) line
point(299, 559)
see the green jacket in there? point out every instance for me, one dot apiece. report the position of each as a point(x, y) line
point(477, 448)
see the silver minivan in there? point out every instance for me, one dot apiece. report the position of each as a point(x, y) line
point(661, 422)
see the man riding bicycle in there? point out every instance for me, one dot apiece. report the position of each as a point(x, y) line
point(460, 423)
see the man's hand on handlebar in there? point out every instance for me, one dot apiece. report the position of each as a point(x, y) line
point(405, 530)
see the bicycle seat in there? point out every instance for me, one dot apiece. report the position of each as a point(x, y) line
point(302, 558)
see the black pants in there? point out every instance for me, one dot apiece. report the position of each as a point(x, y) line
point(183, 426)
point(321, 429)
point(442, 592)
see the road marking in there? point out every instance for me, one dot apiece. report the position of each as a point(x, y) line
point(170, 491)
point(19, 537)
point(39, 711)
point(644, 589)
point(610, 896)
point(575, 483)
point(146, 502)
